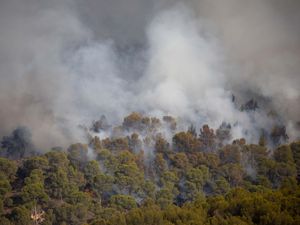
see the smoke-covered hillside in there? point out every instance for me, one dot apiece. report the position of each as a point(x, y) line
point(66, 63)
point(136, 174)
point(157, 112)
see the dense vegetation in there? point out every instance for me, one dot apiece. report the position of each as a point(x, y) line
point(137, 176)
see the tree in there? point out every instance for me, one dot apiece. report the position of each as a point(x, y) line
point(195, 179)
point(222, 186)
point(112, 216)
point(256, 207)
point(160, 164)
point(56, 184)
point(230, 154)
point(161, 145)
point(135, 217)
point(128, 177)
point(283, 154)
point(279, 135)
point(5, 221)
point(217, 205)
point(133, 121)
point(135, 144)
point(5, 186)
point(168, 180)
point(180, 161)
point(186, 142)
point(103, 185)
point(125, 157)
point(152, 214)
point(71, 214)
point(37, 162)
point(149, 189)
point(233, 173)
point(116, 144)
point(164, 197)
point(198, 176)
point(295, 147)
point(91, 170)
point(281, 171)
point(57, 160)
point(211, 160)
point(78, 155)
point(8, 168)
point(184, 215)
point(75, 177)
point(33, 192)
point(223, 133)
point(96, 144)
point(20, 216)
point(122, 202)
point(76, 197)
point(207, 137)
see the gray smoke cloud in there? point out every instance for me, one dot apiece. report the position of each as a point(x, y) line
point(65, 63)
point(262, 44)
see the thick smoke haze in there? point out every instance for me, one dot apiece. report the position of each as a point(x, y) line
point(65, 63)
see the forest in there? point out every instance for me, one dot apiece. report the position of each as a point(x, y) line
point(139, 175)
point(149, 112)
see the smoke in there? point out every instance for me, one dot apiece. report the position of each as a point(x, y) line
point(184, 75)
point(65, 63)
point(261, 42)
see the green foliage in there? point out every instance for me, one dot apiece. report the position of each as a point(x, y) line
point(57, 160)
point(233, 173)
point(5, 186)
point(295, 147)
point(103, 184)
point(122, 202)
point(221, 186)
point(149, 189)
point(164, 197)
point(33, 191)
point(128, 177)
point(57, 184)
point(91, 171)
point(70, 214)
point(230, 154)
point(186, 142)
point(198, 176)
point(20, 216)
point(184, 215)
point(8, 168)
point(194, 181)
point(283, 154)
point(78, 197)
point(38, 162)
point(160, 164)
point(78, 154)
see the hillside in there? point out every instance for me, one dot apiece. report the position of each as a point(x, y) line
point(144, 178)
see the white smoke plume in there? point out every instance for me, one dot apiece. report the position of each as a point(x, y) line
point(65, 63)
